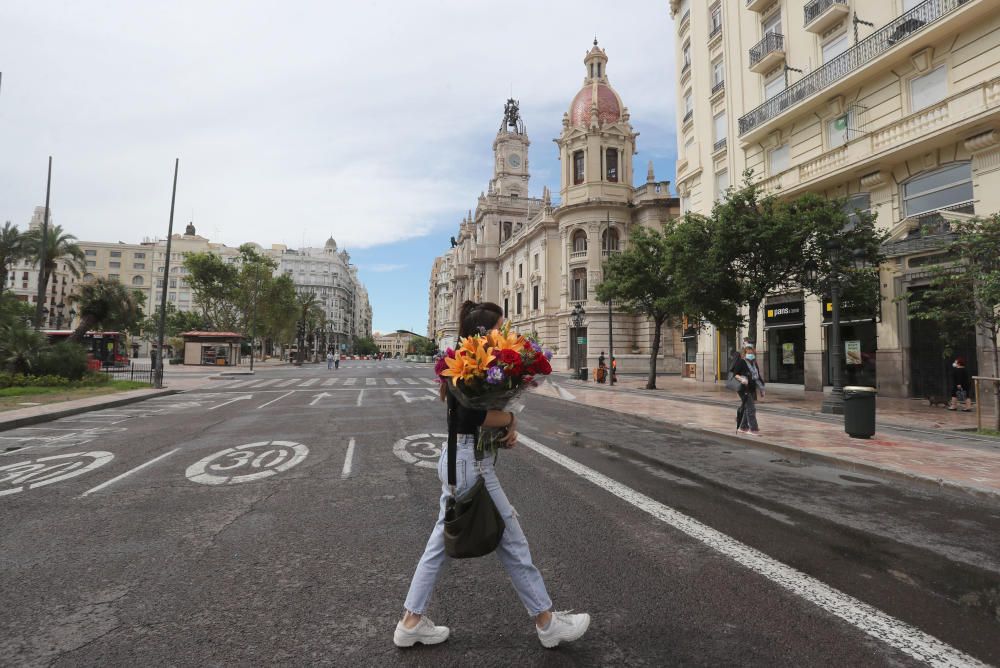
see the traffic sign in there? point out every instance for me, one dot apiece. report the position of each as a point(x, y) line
point(581, 340)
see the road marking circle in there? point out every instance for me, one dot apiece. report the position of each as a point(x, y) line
point(247, 463)
point(421, 449)
point(34, 473)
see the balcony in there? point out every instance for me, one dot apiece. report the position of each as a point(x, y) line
point(578, 255)
point(768, 53)
point(821, 15)
point(684, 23)
point(758, 5)
point(719, 87)
point(688, 116)
point(716, 32)
point(609, 253)
point(719, 145)
point(841, 72)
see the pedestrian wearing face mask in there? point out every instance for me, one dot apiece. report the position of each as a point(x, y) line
point(746, 371)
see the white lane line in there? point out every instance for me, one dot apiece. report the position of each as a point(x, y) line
point(128, 473)
point(266, 383)
point(242, 383)
point(328, 382)
point(347, 460)
point(409, 381)
point(309, 382)
point(350, 381)
point(242, 397)
point(286, 383)
point(369, 381)
point(391, 381)
point(895, 633)
point(429, 381)
point(361, 396)
point(274, 400)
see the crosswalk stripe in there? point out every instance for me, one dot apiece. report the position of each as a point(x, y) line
point(328, 382)
point(429, 381)
point(369, 381)
point(391, 381)
point(287, 383)
point(409, 381)
point(243, 383)
point(309, 382)
point(350, 381)
point(266, 383)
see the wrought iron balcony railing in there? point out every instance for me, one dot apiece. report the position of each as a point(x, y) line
point(772, 42)
point(896, 31)
point(716, 30)
point(719, 86)
point(719, 145)
point(817, 7)
point(688, 116)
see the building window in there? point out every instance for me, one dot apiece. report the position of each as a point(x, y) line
point(172, 297)
point(578, 285)
point(577, 167)
point(719, 122)
point(90, 253)
point(772, 24)
point(520, 270)
point(114, 265)
point(778, 159)
point(688, 105)
point(159, 283)
point(508, 230)
point(139, 256)
point(138, 265)
point(91, 263)
point(609, 240)
point(928, 89)
point(173, 282)
point(718, 73)
point(834, 47)
point(774, 86)
point(579, 241)
point(838, 130)
point(534, 297)
point(855, 203)
point(535, 261)
point(506, 278)
point(721, 183)
point(686, 54)
point(685, 203)
point(715, 14)
point(518, 302)
point(505, 304)
point(939, 189)
point(611, 160)
point(113, 277)
point(116, 253)
point(137, 280)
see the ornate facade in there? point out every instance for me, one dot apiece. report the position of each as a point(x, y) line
point(537, 259)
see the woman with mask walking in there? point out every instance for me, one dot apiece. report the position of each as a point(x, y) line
point(513, 552)
point(746, 371)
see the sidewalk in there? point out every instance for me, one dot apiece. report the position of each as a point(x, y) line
point(793, 425)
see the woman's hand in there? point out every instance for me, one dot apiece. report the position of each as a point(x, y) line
point(510, 440)
point(740, 378)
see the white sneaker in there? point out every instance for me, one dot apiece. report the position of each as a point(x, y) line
point(563, 626)
point(424, 632)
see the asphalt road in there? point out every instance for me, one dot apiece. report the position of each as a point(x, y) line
point(277, 521)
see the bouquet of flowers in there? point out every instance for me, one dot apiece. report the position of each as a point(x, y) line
point(488, 371)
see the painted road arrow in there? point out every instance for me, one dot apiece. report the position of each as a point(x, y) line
point(318, 397)
point(409, 399)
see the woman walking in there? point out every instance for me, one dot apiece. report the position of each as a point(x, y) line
point(960, 386)
point(552, 627)
point(745, 370)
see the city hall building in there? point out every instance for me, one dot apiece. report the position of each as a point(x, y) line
point(538, 260)
point(894, 105)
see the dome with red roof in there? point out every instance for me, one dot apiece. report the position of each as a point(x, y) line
point(596, 92)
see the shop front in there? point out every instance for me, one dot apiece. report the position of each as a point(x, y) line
point(212, 348)
point(785, 331)
point(689, 336)
point(858, 348)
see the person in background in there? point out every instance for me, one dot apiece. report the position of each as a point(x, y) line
point(960, 386)
point(329, 360)
point(746, 371)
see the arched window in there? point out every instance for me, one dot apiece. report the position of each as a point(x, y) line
point(609, 240)
point(578, 285)
point(137, 280)
point(611, 160)
point(948, 187)
point(579, 241)
point(508, 229)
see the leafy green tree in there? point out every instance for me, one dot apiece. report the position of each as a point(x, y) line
point(12, 249)
point(13, 309)
point(60, 246)
point(307, 304)
point(176, 322)
point(106, 304)
point(643, 278)
point(965, 292)
point(702, 282)
point(215, 287)
point(421, 345)
point(758, 243)
point(278, 310)
point(365, 345)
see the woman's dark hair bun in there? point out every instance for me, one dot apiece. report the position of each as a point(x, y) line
point(475, 318)
point(468, 306)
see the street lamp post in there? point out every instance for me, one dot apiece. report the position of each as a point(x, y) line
point(577, 316)
point(611, 329)
point(253, 321)
point(833, 403)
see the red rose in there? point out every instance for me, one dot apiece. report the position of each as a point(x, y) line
point(511, 360)
point(540, 366)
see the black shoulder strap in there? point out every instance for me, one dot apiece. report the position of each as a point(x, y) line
point(452, 441)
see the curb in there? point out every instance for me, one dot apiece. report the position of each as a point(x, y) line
point(66, 412)
point(802, 456)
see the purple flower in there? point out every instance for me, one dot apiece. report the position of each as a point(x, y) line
point(548, 354)
point(495, 375)
point(534, 346)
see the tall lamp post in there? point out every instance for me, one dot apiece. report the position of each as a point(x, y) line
point(577, 317)
point(611, 329)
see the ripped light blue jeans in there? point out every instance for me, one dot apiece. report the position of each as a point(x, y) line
point(513, 550)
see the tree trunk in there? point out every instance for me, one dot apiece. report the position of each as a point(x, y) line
point(754, 308)
point(996, 385)
point(654, 353)
point(87, 323)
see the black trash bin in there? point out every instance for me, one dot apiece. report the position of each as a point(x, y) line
point(583, 373)
point(859, 411)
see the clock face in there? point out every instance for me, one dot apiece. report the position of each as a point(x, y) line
point(514, 160)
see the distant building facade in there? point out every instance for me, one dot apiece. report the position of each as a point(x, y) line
point(395, 344)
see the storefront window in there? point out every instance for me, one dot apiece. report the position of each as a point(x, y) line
point(857, 355)
point(786, 342)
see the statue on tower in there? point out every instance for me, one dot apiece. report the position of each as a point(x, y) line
point(512, 117)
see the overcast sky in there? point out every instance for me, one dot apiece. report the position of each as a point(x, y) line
point(371, 121)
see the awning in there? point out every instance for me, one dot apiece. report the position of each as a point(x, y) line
point(784, 325)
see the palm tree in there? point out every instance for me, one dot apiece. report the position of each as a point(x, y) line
point(59, 246)
point(105, 302)
point(307, 303)
point(11, 250)
point(19, 346)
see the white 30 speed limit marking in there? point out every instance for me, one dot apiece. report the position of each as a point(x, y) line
point(47, 470)
point(246, 463)
point(421, 449)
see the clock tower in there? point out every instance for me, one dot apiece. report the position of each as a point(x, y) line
point(510, 155)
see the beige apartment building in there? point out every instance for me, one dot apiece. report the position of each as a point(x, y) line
point(395, 344)
point(540, 260)
point(894, 104)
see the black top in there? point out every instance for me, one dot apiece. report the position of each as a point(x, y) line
point(960, 376)
point(464, 420)
point(741, 367)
